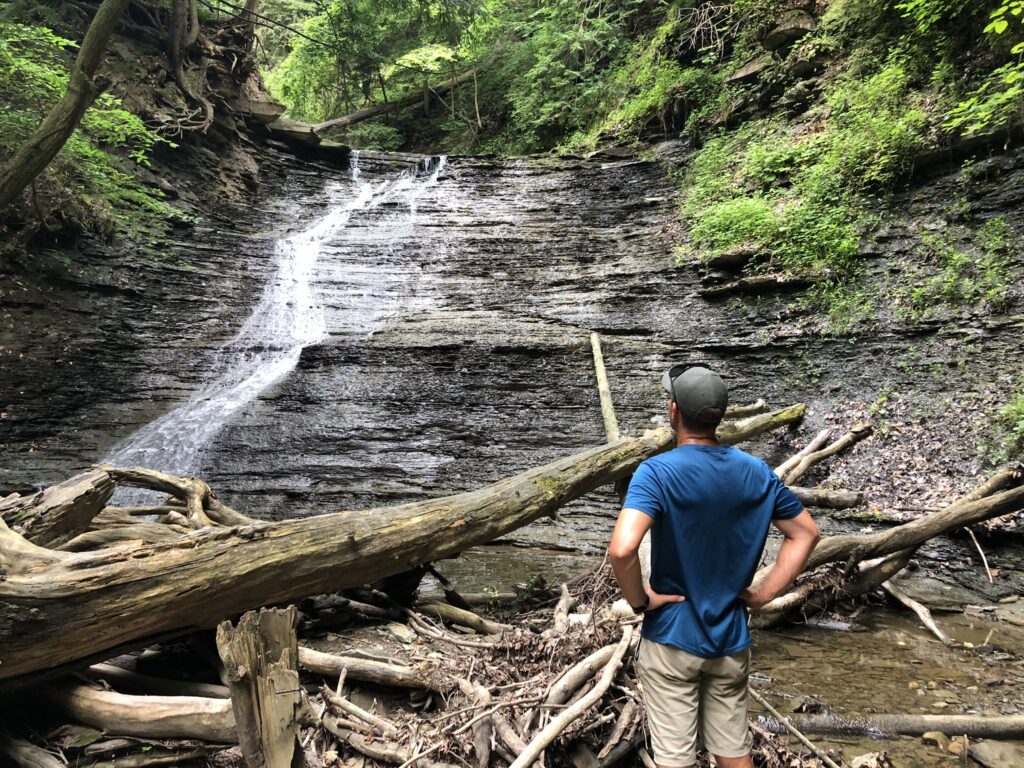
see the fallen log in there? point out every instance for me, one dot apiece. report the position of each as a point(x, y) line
point(853, 548)
point(51, 603)
point(404, 102)
point(975, 726)
point(385, 751)
point(424, 675)
point(148, 717)
point(897, 543)
point(58, 513)
point(825, 498)
point(126, 681)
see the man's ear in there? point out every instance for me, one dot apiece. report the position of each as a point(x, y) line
point(673, 414)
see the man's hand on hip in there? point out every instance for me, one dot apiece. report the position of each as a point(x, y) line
point(658, 600)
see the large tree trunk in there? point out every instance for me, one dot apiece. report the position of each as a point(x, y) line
point(42, 146)
point(60, 608)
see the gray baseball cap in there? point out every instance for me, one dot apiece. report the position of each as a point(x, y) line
point(698, 393)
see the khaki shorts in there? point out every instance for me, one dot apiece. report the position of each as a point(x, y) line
point(685, 694)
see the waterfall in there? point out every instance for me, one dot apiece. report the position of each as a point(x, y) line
point(288, 318)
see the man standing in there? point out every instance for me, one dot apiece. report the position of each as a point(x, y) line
point(708, 507)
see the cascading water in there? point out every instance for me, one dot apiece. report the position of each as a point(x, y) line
point(288, 318)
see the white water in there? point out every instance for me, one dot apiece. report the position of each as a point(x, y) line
point(288, 318)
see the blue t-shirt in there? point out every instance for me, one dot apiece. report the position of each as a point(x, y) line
point(712, 506)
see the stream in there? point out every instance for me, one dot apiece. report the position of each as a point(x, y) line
point(417, 327)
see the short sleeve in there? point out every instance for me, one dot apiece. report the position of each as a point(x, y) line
point(644, 493)
point(787, 505)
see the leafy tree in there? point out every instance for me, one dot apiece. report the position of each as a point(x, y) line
point(33, 77)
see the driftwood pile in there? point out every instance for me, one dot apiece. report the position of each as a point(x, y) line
point(82, 582)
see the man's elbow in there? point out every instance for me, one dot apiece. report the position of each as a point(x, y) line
point(621, 552)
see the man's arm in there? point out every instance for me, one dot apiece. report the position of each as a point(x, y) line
point(623, 551)
point(801, 536)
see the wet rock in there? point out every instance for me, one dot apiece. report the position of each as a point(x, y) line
point(790, 28)
point(257, 111)
point(996, 754)
point(872, 760)
point(292, 132)
point(751, 70)
point(808, 705)
point(613, 153)
point(956, 746)
point(401, 632)
point(733, 259)
point(936, 739)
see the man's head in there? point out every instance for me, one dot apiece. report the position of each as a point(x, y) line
point(699, 398)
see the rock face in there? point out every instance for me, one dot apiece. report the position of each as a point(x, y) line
point(790, 28)
point(457, 346)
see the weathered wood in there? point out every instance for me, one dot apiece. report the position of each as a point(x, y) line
point(396, 105)
point(975, 726)
point(858, 432)
point(921, 611)
point(611, 423)
point(376, 723)
point(54, 515)
point(126, 681)
point(569, 715)
point(423, 675)
point(816, 442)
point(826, 498)
point(792, 729)
point(854, 548)
point(809, 598)
point(51, 603)
point(21, 753)
point(260, 655)
point(149, 717)
point(462, 617)
point(483, 728)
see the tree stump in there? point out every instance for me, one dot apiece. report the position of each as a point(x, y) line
point(261, 658)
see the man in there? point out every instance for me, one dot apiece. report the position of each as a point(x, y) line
point(708, 507)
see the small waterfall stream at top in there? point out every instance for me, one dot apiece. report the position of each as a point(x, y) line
point(288, 318)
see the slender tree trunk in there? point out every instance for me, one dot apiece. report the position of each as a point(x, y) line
point(53, 132)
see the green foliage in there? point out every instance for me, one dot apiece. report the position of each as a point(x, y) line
point(648, 85)
point(1009, 428)
point(356, 52)
point(929, 14)
point(996, 97)
point(371, 135)
point(90, 183)
point(801, 198)
point(950, 275)
point(569, 48)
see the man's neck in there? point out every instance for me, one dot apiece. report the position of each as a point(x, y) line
point(689, 438)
